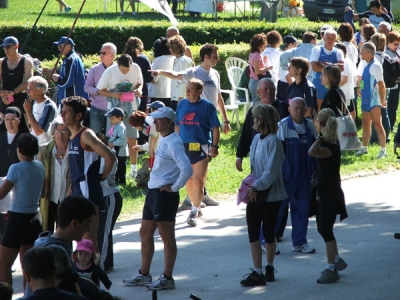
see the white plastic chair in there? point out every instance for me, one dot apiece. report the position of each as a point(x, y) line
point(231, 105)
point(234, 75)
point(235, 62)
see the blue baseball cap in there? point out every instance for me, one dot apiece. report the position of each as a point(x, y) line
point(115, 112)
point(62, 41)
point(10, 40)
point(157, 104)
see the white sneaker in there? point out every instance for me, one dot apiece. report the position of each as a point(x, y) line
point(133, 174)
point(134, 13)
point(306, 248)
point(362, 151)
point(122, 13)
point(138, 280)
point(382, 154)
point(162, 284)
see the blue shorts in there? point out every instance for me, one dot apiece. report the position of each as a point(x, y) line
point(196, 152)
point(321, 89)
point(367, 107)
point(160, 206)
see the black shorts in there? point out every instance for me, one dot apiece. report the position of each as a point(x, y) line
point(21, 229)
point(160, 206)
point(196, 152)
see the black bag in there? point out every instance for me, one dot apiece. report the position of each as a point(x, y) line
point(391, 70)
point(261, 76)
point(263, 195)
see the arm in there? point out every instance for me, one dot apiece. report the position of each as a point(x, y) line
point(107, 93)
point(5, 188)
point(119, 136)
point(31, 118)
point(382, 93)
point(318, 151)
point(90, 141)
point(68, 77)
point(215, 142)
point(221, 107)
point(245, 139)
point(344, 80)
point(28, 73)
point(169, 74)
point(90, 84)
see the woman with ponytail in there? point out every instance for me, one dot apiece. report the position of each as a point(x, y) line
point(330, 201)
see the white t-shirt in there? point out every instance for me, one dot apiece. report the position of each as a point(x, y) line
point(112, 78)
point(160, 87)
point(348, 87)
point(210, 79)
point(178, 89)
point(274, 55)
point(351, 53)
point(316, 52)
point(44, 113)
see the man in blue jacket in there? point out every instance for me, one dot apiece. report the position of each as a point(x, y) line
point(297, 134)
point(71, 79)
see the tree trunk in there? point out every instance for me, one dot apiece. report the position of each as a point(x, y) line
point(3, 3)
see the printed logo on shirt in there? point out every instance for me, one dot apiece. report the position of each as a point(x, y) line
point(209, 83)
point(188, 119)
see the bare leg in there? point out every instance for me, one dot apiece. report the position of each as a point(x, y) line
point(132, 5)
point(121, 5)
point(132, 153)
point(366, 125)
point(167, 232)
point(377, 123)
point(256, 254)
point(195, 185)
point(331, 251)
point(7, 258)
point(147, 243)
point(63, 5)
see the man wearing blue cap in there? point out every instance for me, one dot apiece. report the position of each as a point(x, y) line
point(15, 70)
point(71, 79)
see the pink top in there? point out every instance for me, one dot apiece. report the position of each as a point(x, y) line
point(255, 56)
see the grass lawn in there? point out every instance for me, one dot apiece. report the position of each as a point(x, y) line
point(223, 179)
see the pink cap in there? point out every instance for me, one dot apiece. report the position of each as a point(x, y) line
point(85, 245)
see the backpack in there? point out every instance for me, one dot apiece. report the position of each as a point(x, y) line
point(143, 174)
point(391, 70)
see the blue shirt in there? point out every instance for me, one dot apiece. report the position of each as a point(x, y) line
point(27, 177)
point(196, 120)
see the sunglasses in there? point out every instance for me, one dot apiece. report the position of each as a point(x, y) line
point(102, 53)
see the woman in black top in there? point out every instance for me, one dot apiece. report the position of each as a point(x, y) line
point(334, 98)
point(330, 195)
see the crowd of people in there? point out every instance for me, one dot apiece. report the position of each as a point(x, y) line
point(61, 171)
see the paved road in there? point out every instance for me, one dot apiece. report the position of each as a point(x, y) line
point(213, 257)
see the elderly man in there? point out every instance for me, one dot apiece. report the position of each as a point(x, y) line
point(372, 89)
point(322, 56)
point(297, 134)
point(15, 70)
point(384, 28)
point(266, 91)
point(170, 173)
point(98, 104)
point(125, 76)
point(71, 79)
point(212, 89)
point(43, 111)
point(172, 31)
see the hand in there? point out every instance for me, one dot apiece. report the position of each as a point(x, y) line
point(384, 103)
point(5, 100)
point(270, 68)
point(154, 73)
point(137, 148)
point(226, 128)
point(166, 188)
point(395, 146)
point(27, 106)
point(110, 144)
point(137, 93)
point(239, 164)
point(55, 77)
point(117, 95)
point(213, 152)
point(251, 196)
point(347, 8)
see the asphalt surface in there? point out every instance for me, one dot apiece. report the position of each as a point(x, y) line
point(214, 256)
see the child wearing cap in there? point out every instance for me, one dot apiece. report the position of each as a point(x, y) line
point(85, 266)
point(118, 141)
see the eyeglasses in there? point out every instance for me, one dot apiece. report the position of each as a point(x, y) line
point(62, 132)
point(8, 47)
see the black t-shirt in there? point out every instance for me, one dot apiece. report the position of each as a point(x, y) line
point(328, 169)
point(305, 89)
point(333, 100)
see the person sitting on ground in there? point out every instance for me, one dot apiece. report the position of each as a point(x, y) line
point(326, 150)
point(39, 268)
point(85, 265)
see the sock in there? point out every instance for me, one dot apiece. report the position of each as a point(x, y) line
point(194, 209)
point(383, 149)
point(133, 167)
point(258, 270)
point(364, 147)
point(331, 267)
point(337, 259)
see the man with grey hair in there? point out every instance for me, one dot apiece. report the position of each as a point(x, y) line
point(43, 111)
point(172, 31)
point(98, 105)
point(384, 28)
point(297, 134)
point(322, 56)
